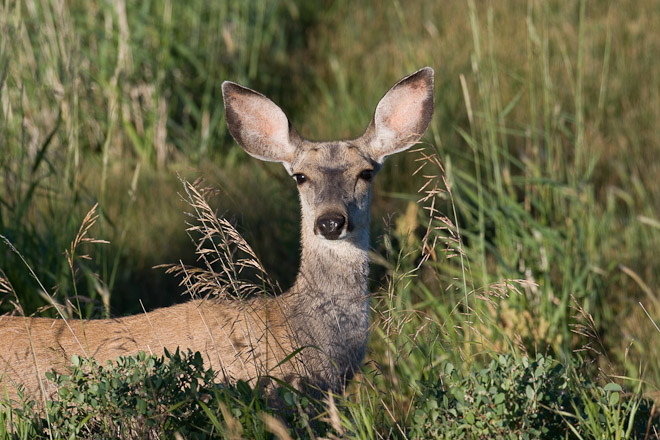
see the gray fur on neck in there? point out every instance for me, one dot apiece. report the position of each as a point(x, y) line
point(329, 306)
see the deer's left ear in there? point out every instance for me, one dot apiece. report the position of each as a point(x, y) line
point(402, 115)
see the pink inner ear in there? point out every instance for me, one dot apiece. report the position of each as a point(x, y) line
point(262, 126)
point(262, 119)
point(405, 109)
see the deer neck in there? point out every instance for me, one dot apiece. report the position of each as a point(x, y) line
point(329, 308)
point(337, 269)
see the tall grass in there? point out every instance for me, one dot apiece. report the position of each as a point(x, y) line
point(539, 227)
point(529, 99)
point(87, 85)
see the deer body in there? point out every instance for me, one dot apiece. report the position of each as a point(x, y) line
point(32, 346)
point(323, 318)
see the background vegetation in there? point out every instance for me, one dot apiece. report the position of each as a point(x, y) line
point(538, 224)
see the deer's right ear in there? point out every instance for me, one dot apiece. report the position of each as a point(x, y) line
point(258, 125)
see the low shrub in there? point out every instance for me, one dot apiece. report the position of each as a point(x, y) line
point(143, 396)
point(522, 398)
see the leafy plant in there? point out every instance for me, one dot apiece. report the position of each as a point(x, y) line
point(140, 396)
point(145, 396)
point(522, 398)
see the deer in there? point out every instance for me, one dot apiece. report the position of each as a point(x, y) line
point(315, 334)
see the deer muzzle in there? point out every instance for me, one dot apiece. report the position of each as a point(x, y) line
point(330, 225)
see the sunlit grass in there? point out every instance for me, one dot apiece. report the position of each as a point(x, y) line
point(545, 129)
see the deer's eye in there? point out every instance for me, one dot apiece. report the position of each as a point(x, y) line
point(300, 178)
point(366, 175)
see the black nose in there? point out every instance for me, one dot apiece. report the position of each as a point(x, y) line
point(330, 225)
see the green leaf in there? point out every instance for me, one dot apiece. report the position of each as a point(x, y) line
point(211, 416)
point(614, 399)
point(538, 372)
point(525, 361)
point(142, 406)
point(612, 387)
point(529, 391)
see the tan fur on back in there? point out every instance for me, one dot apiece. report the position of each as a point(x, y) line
point(222, 331)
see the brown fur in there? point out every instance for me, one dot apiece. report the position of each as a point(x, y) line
point(325, 315)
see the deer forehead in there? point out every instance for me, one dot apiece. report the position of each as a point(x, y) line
point(331, 158)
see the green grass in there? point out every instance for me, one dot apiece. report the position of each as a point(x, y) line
point(544, 145)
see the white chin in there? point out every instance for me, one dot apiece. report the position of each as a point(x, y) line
point(342, 236)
